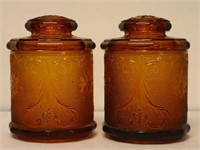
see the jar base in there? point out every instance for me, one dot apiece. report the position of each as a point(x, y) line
point(53, 136)
point(146, 137)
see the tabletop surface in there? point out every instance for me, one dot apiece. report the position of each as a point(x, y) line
point(99, 141)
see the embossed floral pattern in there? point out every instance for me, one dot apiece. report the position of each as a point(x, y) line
point(86, 83)
point(142, 85)
point(179, 84)
point(14, 83)
point(51, 89)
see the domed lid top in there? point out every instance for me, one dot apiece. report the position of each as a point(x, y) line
point(51, 25)
point(145, 33)
point(145, 25)
point(51, 33)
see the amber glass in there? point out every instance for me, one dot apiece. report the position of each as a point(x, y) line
point(51, 82)
point(146, 83)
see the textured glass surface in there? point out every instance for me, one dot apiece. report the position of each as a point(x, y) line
point(51, 90)
point(146, 91)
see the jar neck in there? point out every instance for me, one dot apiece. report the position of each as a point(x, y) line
point(135, 34)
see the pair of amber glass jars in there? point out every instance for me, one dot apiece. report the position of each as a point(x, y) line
point(145, 82)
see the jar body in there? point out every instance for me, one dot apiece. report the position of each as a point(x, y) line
point(146, 95)
point(51, 95)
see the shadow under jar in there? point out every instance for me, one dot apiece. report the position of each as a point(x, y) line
point(51, 82)
point(146, 83)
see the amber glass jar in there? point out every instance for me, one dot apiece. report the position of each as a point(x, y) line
point(146, 83)
point(51, 82)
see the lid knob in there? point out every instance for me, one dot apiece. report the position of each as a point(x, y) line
point(145, 25)
point(51, 25)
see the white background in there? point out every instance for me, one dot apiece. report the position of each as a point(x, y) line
point(98, 20)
